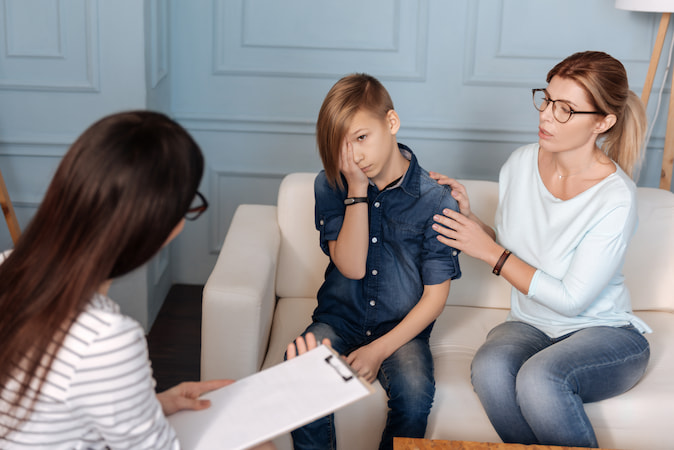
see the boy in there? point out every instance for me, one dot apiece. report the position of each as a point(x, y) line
point(389, 276)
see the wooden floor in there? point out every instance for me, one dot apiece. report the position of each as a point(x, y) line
point(174, 341)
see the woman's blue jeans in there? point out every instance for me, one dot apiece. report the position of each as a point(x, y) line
point(533, 387)
point(407, 378)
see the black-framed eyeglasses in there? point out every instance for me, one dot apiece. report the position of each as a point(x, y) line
point(197, 208)
point(561, 110)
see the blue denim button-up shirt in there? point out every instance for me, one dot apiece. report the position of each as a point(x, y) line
point(403, 255)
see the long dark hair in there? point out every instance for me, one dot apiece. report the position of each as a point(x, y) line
point(117, 194)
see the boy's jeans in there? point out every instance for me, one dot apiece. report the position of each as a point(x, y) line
point(407, 377)
point(533, 387)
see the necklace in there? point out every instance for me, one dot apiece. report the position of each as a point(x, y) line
point(560, 176)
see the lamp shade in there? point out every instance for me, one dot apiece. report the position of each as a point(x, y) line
point(646, 5)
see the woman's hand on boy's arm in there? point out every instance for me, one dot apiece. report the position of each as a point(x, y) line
point(461, 196)
point(458, 192)
point(469, 236)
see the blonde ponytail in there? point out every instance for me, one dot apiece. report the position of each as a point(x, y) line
point(624, 142)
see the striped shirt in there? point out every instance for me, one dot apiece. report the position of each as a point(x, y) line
point(99, 392)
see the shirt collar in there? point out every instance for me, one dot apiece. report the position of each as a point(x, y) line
point(410, 183)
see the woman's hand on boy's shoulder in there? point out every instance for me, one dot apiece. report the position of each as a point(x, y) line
point(459, 192)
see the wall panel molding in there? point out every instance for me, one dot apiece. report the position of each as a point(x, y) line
point(46, 54)
point(159, 51)
point(249, 40)
point(254, 187)
point(221, 123)
point(425, 130)
point(47, 146)
point(45, 40)
point(499, 53)
point(160, 264)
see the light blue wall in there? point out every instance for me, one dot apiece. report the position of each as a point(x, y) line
point(247, 77)
point(63, 65)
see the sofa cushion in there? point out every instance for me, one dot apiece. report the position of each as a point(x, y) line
point(457, 413)
point(640, 418)
point(301, 263)
point(636, 419)
point(291, 317)
point(652, 285)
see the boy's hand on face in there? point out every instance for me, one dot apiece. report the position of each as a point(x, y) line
point(366, 361)
point(355, 177)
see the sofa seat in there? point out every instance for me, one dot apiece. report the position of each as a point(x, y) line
point(261, 295)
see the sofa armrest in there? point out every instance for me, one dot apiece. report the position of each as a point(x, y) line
point(239, 297)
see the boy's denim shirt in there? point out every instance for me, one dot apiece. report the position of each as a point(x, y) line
point(404, 253)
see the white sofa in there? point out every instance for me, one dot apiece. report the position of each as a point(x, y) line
point(262, 292)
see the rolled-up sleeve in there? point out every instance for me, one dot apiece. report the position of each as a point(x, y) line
point(328, 212)
point(439, 261)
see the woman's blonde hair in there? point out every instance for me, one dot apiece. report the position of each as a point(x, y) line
point(604, 79)
point(349, 95)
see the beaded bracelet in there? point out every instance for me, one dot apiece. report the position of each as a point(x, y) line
point(499, 265)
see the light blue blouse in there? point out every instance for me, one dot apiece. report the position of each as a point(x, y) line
point(577, 246)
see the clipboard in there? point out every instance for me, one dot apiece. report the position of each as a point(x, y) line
point(272, 402)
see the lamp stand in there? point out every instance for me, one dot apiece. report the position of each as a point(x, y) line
point(8, 211)
point(668, 152)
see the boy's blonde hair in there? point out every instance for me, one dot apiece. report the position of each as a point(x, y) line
point(349, 95)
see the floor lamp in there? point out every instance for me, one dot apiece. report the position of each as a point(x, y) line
point(8, 211)
point(666, 7)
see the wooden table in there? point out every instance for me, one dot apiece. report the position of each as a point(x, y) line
point(427, 444)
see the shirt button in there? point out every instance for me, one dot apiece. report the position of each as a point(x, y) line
point(372, 303)
point(374, 272)
point(321, 222)
point(454, 253)
point(376, 204)
point(368, 333)
point(374, 240)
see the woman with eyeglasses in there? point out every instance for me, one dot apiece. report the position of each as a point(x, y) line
point(74, 371)
point(567, 210)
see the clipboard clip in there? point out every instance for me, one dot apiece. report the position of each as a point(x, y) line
point(339, 367)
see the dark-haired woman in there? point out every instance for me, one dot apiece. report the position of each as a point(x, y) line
point(74, 372)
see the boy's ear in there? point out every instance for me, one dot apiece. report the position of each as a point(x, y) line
point(393, 121)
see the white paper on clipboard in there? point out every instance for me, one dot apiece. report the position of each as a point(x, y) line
point(264, 405)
